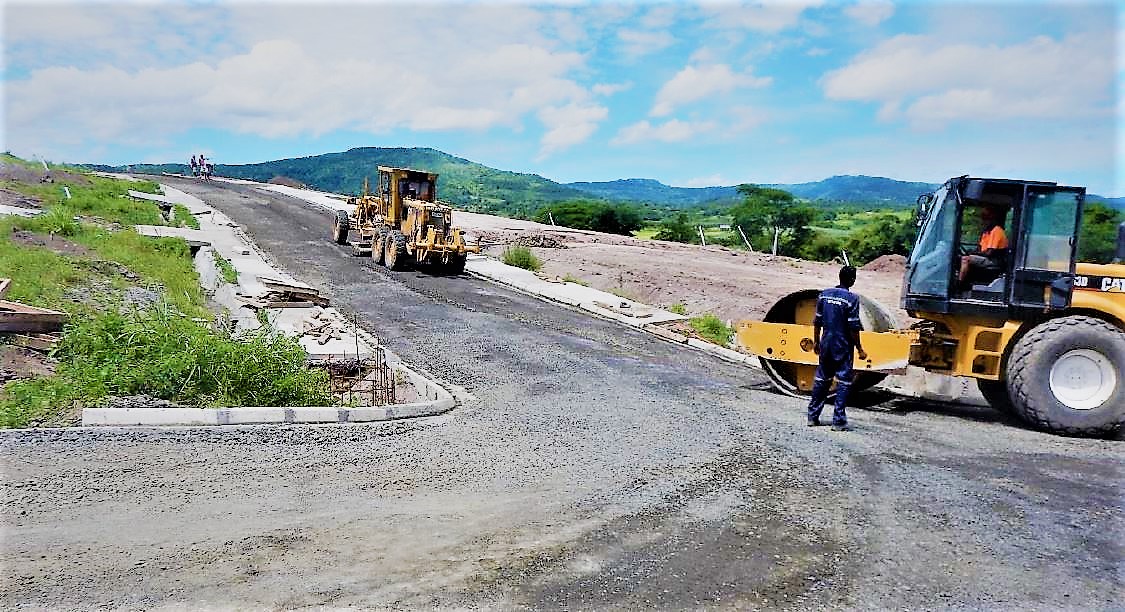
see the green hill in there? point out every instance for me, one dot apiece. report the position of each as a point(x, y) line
point(469, 185)
point(476, 187)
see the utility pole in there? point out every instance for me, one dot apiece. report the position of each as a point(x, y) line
point(551, 217)
point(702, 240)
point(776, 233)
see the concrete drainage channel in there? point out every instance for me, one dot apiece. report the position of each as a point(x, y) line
point(293, 308)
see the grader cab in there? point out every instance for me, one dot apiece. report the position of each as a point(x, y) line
point(403, 222)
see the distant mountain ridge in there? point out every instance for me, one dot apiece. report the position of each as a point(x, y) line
point(477, 187)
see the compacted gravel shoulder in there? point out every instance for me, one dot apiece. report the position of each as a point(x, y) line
point(590, 466)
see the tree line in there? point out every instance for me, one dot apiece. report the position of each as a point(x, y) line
point(770, 218)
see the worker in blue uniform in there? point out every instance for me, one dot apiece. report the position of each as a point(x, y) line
point(836, 330)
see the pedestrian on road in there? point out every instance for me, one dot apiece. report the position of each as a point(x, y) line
point(194, 166)
point(836, 330)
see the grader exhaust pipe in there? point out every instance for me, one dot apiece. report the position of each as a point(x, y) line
point(784, 343)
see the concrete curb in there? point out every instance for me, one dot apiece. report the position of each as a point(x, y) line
point(438, 401)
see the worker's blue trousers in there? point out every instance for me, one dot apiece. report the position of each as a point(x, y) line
point(841, 368)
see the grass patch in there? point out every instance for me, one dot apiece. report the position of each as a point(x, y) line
point(522, 257)
point(577, 281)
point(183, 217)
point(711, 328)
point(165, 354)
point(679, 309)
point(226, 269)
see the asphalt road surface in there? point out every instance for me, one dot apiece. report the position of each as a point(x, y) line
point(591, 466)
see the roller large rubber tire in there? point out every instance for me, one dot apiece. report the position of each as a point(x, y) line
point(996, 392)
point(394, 253)
point(1040, 381)
point(378, 244)
point(340, 227)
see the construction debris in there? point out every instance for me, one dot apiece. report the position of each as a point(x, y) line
point(39, 342)
point(17, 317)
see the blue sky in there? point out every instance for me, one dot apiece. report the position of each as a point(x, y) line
point(691, 94)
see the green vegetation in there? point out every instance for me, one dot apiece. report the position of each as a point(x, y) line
point(679, 309)
point(1097, 241)
point(711, 328)
point(522, 257)
point(80, 257)
point(592, 215)
point(677, 229)
point(165, 354)
point(577, 281)
point(226, 269)
point(183, 217)
point(766, 213)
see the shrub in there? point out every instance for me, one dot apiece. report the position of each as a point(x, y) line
point(522, 257)
point(162, 353)
point(711, 328)
point(59, 221)
point(679, 309)
point(183, 217)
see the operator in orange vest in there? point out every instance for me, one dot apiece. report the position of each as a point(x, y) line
point(993, 245)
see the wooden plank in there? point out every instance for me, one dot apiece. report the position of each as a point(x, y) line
point(39, 342)
point(16, 311)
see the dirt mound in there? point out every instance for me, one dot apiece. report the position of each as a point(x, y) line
point(19, 200)
point(36, 174)
point(17, 362)
point(886, 263)
point(58, 244)
point(541, 241)
point(287, 182)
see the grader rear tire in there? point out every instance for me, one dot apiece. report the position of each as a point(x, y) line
point(394, 253)
point(340, 227)
point(1067, 376)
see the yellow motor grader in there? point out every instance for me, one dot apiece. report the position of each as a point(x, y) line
point(403, 222)
point(1043, 335)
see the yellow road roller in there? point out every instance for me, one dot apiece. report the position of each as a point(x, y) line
point(1042, 334)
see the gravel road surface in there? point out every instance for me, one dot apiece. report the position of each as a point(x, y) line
point(591, 466)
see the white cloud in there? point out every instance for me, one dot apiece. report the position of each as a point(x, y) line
point(637, 43)
point(696, 83)
point(569, 125)
point(871, 12)
point(609, 89)
point(928, 83)
point(713, 180)
point(670, 131)
point(302, 70)
point(770, 16)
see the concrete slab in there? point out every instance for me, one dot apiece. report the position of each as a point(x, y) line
point(19, 211)
point(194, 237)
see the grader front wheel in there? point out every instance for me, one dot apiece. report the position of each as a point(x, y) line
point(394, 252)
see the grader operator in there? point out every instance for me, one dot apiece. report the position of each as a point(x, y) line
point(1042, 334)
point(404, 222)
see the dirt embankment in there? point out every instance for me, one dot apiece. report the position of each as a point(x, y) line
point(732, 284)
